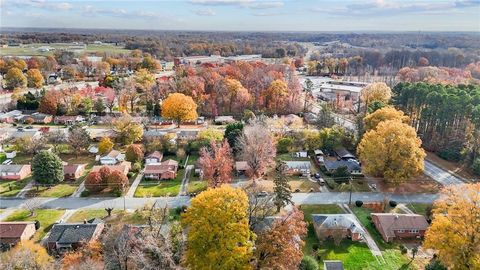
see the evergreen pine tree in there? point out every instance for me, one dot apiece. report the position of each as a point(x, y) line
point(283, 194)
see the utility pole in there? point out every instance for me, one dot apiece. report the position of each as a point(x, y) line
point(350, 182)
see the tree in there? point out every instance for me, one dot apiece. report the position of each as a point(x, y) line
point(216, 164)
point(56, 137)
point(371, 120)
point(283, 193)
point(218, 233)
point(259, 207)
point(392, 151)
point(455, 230)
point(78, 138)
point(179, 108)
point(48, 103)
point(47, 168)
point(284, 145)
point(308, 263)
point(94, 182)
point(15, 79)
point(134, 153)
point(100, 106)
point(232, 132)
point(88, 256)
point(26, 255)
point(117, 181)
point(210, 134)
point(378, 91)
point(281, 246)
point(128, 130)
point(105, 145)
point(274, 95)
point(35, 78)
point(144, 79)
point(256, 148)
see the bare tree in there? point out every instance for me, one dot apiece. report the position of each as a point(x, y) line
point(32, 205)
point(257, 148)
point(56, 137)
point(259, 207)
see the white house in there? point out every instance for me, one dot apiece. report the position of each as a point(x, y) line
point(301, 154)
point(112, 158)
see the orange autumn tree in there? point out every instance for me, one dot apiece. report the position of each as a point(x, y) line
point(217, 163)
point(179, 107)
point(49, 103)
point(26, 255)
point(388, 113)
point(89, 256)
point(281, 246)
point(455, 230)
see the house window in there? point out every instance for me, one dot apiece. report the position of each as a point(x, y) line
point(401, 231)
point(414, 231)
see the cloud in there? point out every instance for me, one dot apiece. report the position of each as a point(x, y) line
point(205, 12)
point(253, 4)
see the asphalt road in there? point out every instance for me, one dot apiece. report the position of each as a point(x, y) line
point(172, 202)
point(438, 174)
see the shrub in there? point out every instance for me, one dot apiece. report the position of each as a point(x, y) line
point(403, 249)
point(315, 247)
point(130, 174)
point(393, 204)
point(476, 166)
point(308, 263)
point(359, 203)
point(453, 152)
point(137, 166)
point(37, 224)
point(85, 193)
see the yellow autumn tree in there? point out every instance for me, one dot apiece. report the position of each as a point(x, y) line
point(35, 78)
point(105, 145)
point(455, 230)
point(218, 233)
point(393, 151)
point(378, 91)
point(179, 107)
point(388, 113)
point(26, 255)
point(277, 90)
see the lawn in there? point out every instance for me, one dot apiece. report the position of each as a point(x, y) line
point(16, 187)
point(358, 185)
point(192, 159)
point(118, 216)
point(363, 214)
point(419, 208)
point(32, 49)
point(46, 217)
point(304, 185)
point(162, 188)
point(309, 209)
point(290, 157)
point(22, 159)
point(56, 191)
point(196, 186)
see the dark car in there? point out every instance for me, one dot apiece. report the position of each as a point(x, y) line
point(316, 175)
point(29, 127)
point(321, 182)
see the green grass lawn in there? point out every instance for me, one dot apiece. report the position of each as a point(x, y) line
point(196, 186)
point(363, 215)
point(290, 157)
point(162, 188)
point(309, 209)
point(16, 187)
point(46, 217)
point(192, 159)
point(117, 217)
point(32, 49)
point(56, 191)
point(419, 208)
point(22, 159)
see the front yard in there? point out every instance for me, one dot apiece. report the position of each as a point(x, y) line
point(46, 217)
point(56, 191)
point(12, 188)
point(162, 188)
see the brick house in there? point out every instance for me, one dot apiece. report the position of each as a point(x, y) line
point(154, 158)
point(164, 170)
point(123, 167)
point(73, 171)
point(13, 232)
point(68, 119)
point(14, 172)
point(331, 225)
point(397, 226)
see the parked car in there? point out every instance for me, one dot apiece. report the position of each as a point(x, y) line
point(262, 194)
point(29, 127)
point(321, 182)
point(317, 176)
point(7, 162)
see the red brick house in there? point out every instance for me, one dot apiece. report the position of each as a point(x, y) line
point(13, 232)
point(164, 170)
point(73, 171)
point(14, 172)
point(397, 226)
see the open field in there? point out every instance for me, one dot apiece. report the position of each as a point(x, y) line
point(33, 49)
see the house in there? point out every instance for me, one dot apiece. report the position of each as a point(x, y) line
point(98, 134)
point(165, 170)
point(334, 225)
point(301, 154)
point(68, 120)
point(9, 117)
point(298, 167)
point(343, 153)
point(53, 78)
point(241, 167)
point(224, 119)
point(73, 171)
point(353, 166)
point(397, 226)
point(187, 135)
point(13, 232)
point(112, 158)
point(40, 118)
point(154, 133)
point(332, 265)
point(14, 172)
point(154, 158)
point(319, 156)
point(341, 94)
point(122, 167)
point(69, 236)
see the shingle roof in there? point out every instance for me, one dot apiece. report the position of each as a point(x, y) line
point(13, 229)
point(156, 155)
point(298, 164)
point(12, 168)
point(72, 168)
point(343, 153)
point(390, 222)
point(337, 221)
point(351, 165)
point(333, 265)
point(69, 233)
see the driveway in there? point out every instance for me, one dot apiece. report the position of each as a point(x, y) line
point(133, 187)
point(183, 187)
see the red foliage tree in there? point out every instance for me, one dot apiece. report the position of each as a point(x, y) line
point(134, 153)
point(49, 103)
point(104, 173)
point(217, 163)
point(94, 182)
point(117, 181)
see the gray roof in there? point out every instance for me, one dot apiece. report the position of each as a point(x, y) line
point(343, 153)
point(68, 233)
point(333, 265)
point(11, 168)
point(337, 221)
point(154, 133)
point(298, 164)
point(352, 165)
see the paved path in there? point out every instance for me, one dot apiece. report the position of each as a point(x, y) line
point(133, 187)
point(442, 176)
point(79, 190)
point(134, 203)
point(25, 189)
point(404, 208)
point(183, 187)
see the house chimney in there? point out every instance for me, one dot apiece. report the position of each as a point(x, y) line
point(84, 221)
point(396, 216)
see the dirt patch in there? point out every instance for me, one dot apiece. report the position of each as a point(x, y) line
point(456, 167)
point(418, 184)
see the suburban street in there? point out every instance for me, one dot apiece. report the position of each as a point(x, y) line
point(438, 174)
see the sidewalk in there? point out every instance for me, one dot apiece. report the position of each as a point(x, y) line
point(79, 190)
point(25, 189)
point(133, 187)
point(183, 187)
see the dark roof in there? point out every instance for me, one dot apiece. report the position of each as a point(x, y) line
point(351, 165)
point(333, 265)
point(68, 233)
point(343, 153)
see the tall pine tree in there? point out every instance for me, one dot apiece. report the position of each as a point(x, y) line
point(283, 194)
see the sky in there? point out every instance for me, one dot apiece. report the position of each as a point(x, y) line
point(246, 15)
